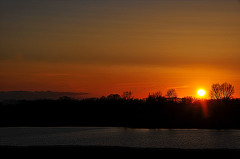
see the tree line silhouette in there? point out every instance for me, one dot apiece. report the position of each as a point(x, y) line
point(156, 111)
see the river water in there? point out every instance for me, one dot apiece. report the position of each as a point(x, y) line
point(126, 137)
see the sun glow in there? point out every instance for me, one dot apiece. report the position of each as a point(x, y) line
point(201, 92)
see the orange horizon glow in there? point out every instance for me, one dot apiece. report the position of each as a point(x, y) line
point(110, 80)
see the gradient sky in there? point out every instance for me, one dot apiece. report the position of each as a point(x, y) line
point(111, 46)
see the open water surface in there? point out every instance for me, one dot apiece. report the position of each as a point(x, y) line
point(125, 137)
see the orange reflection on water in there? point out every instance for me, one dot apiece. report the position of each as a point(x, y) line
point(204, 108)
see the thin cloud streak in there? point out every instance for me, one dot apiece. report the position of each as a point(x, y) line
point(33, 95)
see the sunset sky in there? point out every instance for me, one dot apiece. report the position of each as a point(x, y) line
point(111, 46)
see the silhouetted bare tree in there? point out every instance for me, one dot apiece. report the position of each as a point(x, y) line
point(222, 91)
point(171, 94)
point(156, 97)
point(156, 94)
point(113, 97)
point(187, 100)
point(216, 92)
point(227, 90)
point(127, 95)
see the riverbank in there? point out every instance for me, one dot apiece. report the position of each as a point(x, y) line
point(111, 150)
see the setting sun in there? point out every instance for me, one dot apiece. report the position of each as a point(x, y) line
point(201, 92)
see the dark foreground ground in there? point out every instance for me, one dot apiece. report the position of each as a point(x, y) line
point(150, 113)
point(113, 152)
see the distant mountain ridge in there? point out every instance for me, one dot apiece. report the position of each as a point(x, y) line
point(32, 95)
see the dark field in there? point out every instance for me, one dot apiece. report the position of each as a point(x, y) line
point(149, 113)
point(91, 151)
